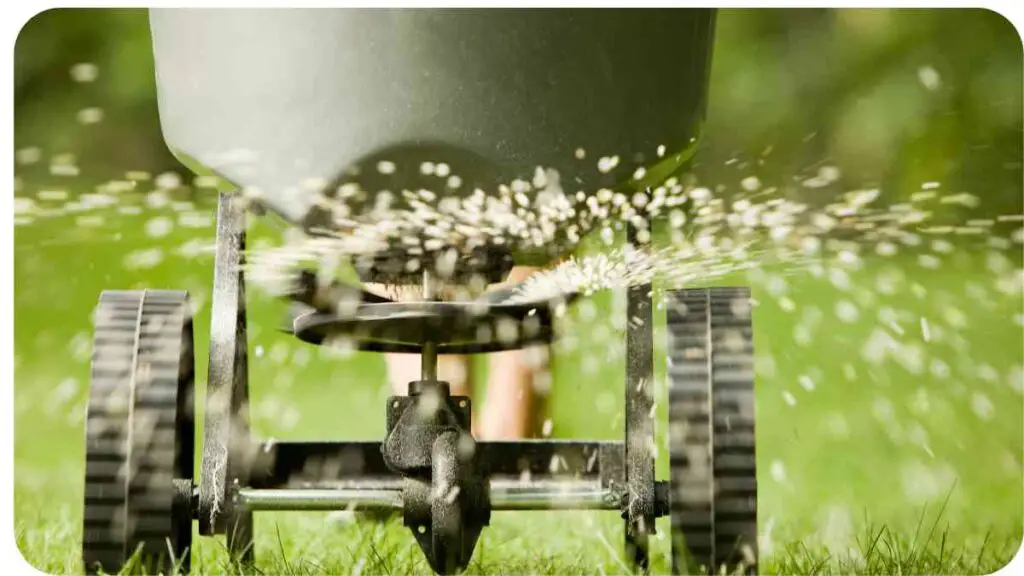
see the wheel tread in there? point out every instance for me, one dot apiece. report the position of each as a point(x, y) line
point(712, 440)
point(142, 366)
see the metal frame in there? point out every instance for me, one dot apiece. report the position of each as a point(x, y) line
point(641, 509)
point(227, 440)
point(525, 475)
point(240, 476)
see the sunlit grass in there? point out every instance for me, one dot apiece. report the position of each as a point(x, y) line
point(541, 543)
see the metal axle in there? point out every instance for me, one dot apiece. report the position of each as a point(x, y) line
point(428, 358)
point(506, 494)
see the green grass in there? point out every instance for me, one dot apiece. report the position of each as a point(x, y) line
point(533, 543)
point(908, 465)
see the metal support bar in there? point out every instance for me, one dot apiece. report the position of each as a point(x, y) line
point(428, 357)
point(318, 499)
point(639, 456)
point(226, 430)
point(301, 464)
point(428, 362)
point(505, 494)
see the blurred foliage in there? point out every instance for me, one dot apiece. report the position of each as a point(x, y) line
point(893, 97)
point(47, 100)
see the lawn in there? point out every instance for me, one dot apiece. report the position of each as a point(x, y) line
point(889, 404)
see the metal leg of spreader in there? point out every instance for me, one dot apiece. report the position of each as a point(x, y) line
point(227, 444)
point(639, 457)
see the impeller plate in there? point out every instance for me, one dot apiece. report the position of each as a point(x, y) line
point(479, 326)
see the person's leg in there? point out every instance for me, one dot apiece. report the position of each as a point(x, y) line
point(512, 402)
point(514, 379)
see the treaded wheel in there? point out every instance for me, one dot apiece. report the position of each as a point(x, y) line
point(711, 431)
point(139, 434)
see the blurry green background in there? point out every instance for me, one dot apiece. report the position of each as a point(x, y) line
point(893, 98)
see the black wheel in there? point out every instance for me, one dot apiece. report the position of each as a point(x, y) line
point(711, 431)
point(139, 435)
